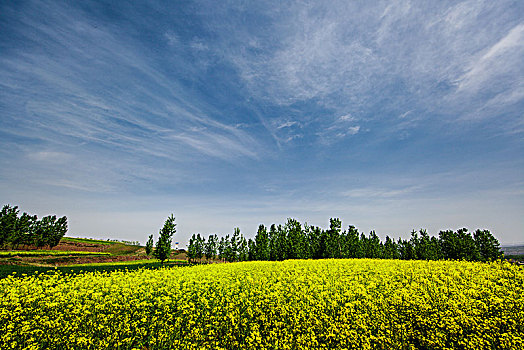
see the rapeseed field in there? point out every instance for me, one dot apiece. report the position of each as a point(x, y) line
point(294, 304)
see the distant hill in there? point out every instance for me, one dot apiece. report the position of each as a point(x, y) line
point(513, 249)
point(515, 252)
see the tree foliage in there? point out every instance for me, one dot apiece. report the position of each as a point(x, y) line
point(210, 247)
point(163, 244)
point(488, 246)
point(27, 230)
point(149, 245)
point(296, 241)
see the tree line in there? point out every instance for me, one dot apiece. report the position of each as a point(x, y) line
point(26, 230)
point(296, 241)
point(137, 243)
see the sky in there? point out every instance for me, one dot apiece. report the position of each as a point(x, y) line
point(390, 115)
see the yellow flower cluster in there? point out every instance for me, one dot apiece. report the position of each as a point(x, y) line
point(295, 304)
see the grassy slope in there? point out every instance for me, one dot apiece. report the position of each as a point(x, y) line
point(44, 260)
point(129, 263)
point(122, 249)
point(10, 253)
point(87, 240)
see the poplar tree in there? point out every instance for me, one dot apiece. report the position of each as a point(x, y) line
point(333, 238)
point(261, 244)
point(191, 248)
point(390, 249)
point(243, 249)
point(296, 240)
point(210, 247)
point(149, 245)
point(199, 246)
point(163, 245)
point(272, 238)
point(222, 249)
point(235, 245)
point(8, 222)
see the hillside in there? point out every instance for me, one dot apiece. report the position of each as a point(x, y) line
point(515, 252)
point(80, 254)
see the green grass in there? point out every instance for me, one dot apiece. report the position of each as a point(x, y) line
point(10, 253)
point(130, 263)
point(87, 240)
point(122, 249)
point(27, 270)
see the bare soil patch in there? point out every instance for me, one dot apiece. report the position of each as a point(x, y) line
point(81, 246)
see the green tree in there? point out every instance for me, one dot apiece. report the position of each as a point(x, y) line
point(27, 230)
point(149, 245)
point(229, 252)
point(458, 245)
point(406, 249)
point(243, 249)
point(422, 248)
point(222, 249)
point(295, 240)
point(281, 246)
point(251, 248)
point(235, 244)
point(199, 246)
point(468, 248)
point(351, 247)
point(333, 244)
point(191, 248)
point(322, 247)
point(23, 232)
point(414, 245)
point(272, 238)
point(57, 230)
point(390, 249)
point(261, 244)
point(374, 246)
point(210, 248)
point(42, 231)
point(449, 244)
point(433, 251)
point(163, 245)
point(487, 245)
point(8, 223)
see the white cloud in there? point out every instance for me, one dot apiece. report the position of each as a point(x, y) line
point(172, 38)
point(344, 56)
point(50, 157)
point(373, 192)
point(404, 115)
point(347, 118)
point(505, 56)
point(136, 108)
point(133, 120)
point(198, 45)
point(353, 130)
point(286, 124)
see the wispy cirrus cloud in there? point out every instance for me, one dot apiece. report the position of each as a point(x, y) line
point(84, 82)
point(265, 109)
point(348, 56)
point(509, 49)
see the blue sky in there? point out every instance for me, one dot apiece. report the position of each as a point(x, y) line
point(392, 116)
